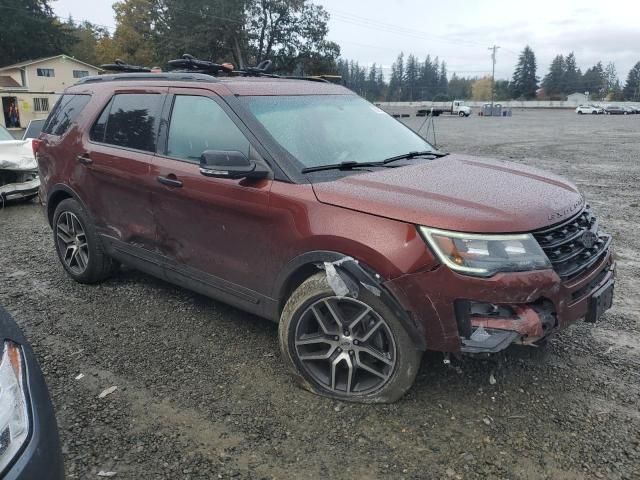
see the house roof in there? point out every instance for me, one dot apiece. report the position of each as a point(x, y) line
point(8, 82)
point(46, 59)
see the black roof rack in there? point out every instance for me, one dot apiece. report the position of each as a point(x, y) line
point(172, 76)
point(120, 66)
point(190, 69)
point(188, 63)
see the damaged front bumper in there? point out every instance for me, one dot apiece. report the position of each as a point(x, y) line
point(457, 313)
point(17, 184)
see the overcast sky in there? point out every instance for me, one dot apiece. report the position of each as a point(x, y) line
point(460, 31)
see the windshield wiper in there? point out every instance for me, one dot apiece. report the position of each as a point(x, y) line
point(405, 156)
point(350, 165)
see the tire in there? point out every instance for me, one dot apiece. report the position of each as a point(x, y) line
point(579, 112)
point(594, 113)
point(79, 248)
point(346, 355)
point(461, 114)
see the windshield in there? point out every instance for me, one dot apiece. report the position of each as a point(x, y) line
point(328, 129)
point(4, 134)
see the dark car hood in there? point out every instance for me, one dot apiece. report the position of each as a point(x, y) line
point(458, 192)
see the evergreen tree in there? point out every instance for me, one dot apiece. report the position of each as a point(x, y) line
point(553, 82)
point(411, 78)
point(381, 84)
point(443, 83)
point(460, 87)
point(29, 29)
point(397, 79)
point(594, 81)
point(572, 76)
point(525, 81)
point(502, 90)
point(428, 79)
point(373, 92)
point(632, 86)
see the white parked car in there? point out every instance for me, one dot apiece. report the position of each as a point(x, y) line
point(18, 168)
point(592, 109)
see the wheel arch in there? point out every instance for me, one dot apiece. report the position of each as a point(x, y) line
point(57, 194)
point(357, 274)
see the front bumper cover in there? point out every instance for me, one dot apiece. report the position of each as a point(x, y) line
point(542, 304)
point(16, 191)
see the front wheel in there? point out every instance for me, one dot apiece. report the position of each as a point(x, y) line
point(579, 112)
point(352, 349)
point(461, 114)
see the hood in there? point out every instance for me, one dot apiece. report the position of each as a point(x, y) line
point(17, 155)
point(459, 192)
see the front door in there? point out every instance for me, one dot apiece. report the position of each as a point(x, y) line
point(11, 112)
point(114, 168)
point(214, 232)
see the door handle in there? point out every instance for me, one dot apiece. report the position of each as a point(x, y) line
point(171, 182)
point(84, 159)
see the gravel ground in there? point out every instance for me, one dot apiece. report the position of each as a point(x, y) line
point(202, 392)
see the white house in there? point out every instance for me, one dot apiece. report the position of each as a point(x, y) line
point(29, 89)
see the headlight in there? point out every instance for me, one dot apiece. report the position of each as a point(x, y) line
point(14, 416)
point(485, 255)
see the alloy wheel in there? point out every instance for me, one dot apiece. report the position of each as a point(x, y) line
point(345, 346)
point(72, 242)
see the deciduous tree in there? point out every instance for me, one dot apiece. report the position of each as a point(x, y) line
point(481, 89)
point(135, 38)
point(293, 34)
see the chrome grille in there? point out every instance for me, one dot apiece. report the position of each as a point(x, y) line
point(569, 251)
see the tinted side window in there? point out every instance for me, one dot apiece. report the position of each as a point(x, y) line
point(133, 121)
point(97, 131)
point(65, 113)
point(199, 124)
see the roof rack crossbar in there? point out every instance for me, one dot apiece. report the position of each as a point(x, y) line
point(188, 63)
point(166, 76)
point(121, 66)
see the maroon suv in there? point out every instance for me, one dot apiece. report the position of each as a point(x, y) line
point(301, 202)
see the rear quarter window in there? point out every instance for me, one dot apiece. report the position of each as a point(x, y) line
point(64, 113)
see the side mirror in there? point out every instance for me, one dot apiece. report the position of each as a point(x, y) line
point(229, 164)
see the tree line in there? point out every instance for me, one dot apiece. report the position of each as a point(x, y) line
point(291, 33)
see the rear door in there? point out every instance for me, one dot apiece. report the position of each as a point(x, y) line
point(115, 167)
point(214, 232)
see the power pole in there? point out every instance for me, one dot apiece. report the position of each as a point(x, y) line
point(493, 75)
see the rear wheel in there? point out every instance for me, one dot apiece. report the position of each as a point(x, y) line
point(78, 246)
point(353, 349)
point(579, 112)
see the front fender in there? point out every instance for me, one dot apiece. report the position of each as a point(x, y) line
point(356, 276)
